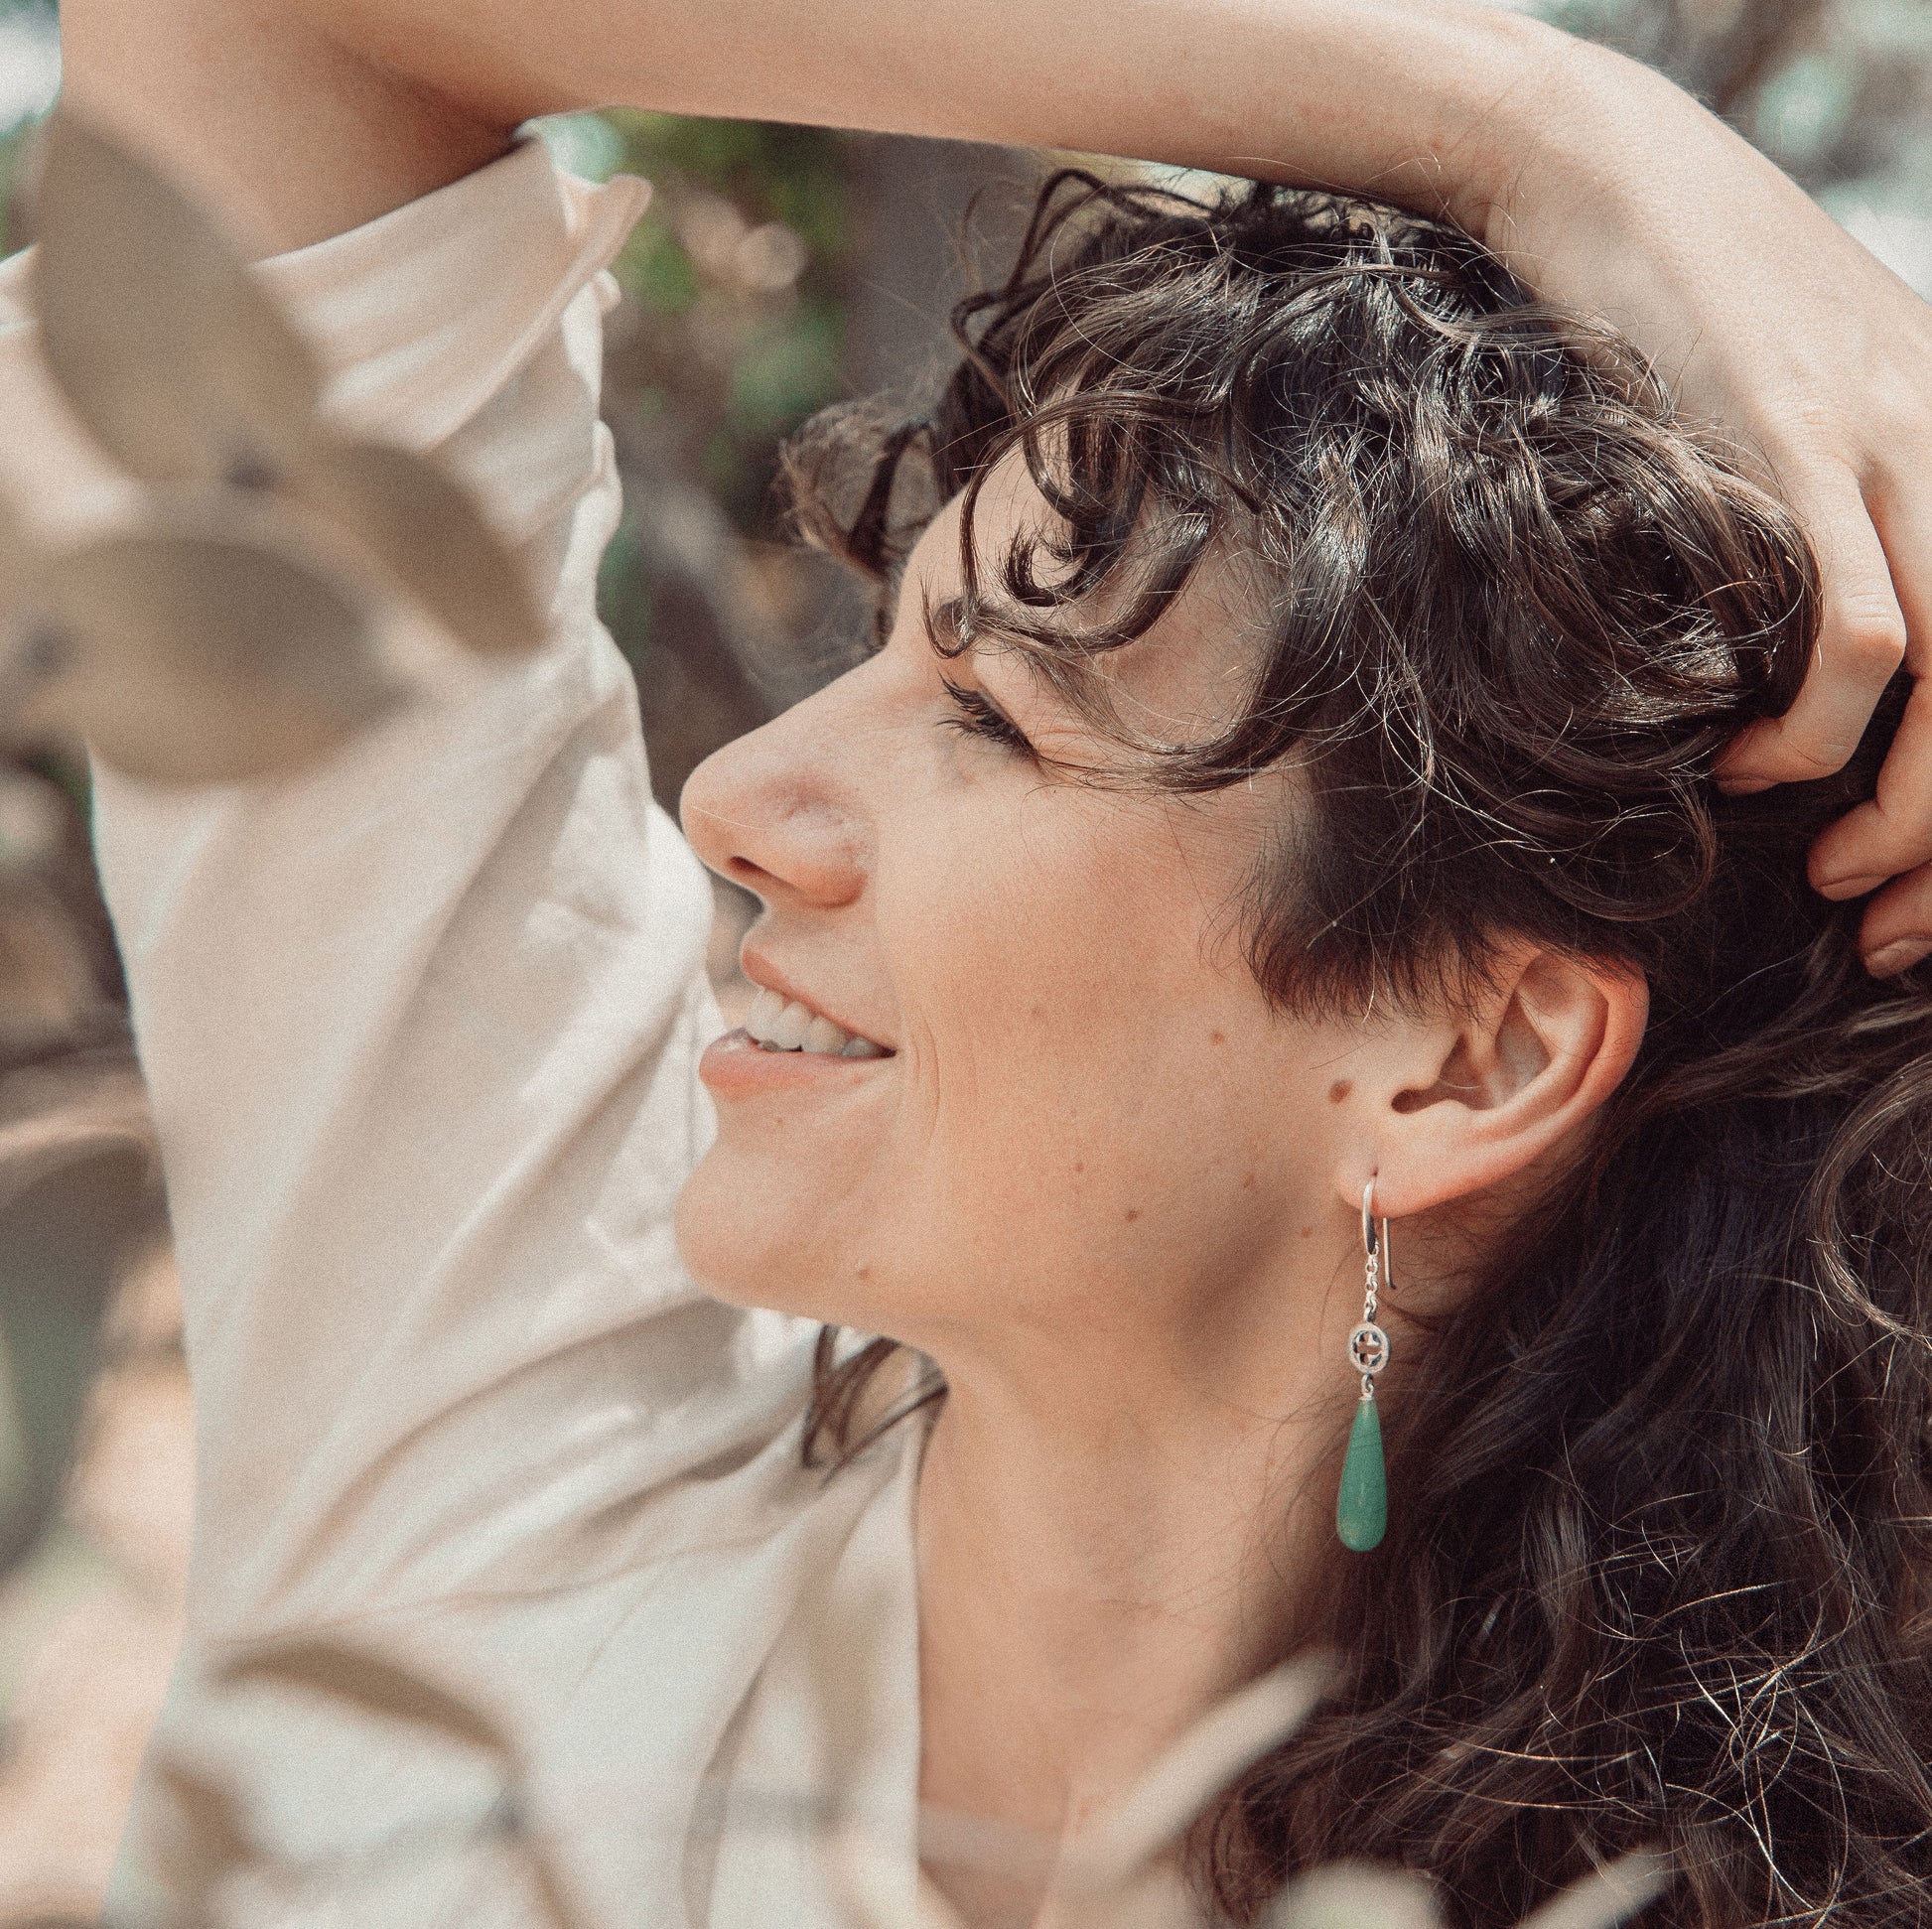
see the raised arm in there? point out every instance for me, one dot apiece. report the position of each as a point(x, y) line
point(1607, 186)
point(1483, 114)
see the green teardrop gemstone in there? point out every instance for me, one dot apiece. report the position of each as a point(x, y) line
point(1362, 1507)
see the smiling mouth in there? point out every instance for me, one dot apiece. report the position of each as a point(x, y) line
point(777, 1024)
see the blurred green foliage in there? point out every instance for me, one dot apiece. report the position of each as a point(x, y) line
point(734, 280)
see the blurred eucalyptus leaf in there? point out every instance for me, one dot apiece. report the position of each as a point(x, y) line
point(82, 1106)
point(192, 651)
point(64, 1240)
point(1167, 1800)
point(1356, 1895)
point(32, 820)
point(1607, 1895)
point(426, 532)
point(174, 357)
point(162, 341)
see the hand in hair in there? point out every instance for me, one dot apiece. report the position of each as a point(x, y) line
point(1605, 187)
point(1765, 317)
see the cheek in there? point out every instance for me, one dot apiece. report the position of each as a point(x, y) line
point(1092, 1118)
point(1098, 1077)
point(860, 1210)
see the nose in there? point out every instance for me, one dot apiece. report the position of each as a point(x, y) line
point(778, 812)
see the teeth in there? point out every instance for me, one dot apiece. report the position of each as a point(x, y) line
point(789, 1028)
point(784, 1025)
point(822, 1036)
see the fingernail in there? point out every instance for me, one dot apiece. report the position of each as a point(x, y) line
point(1890, 959)
point(1836, 888)
point(1743, 786)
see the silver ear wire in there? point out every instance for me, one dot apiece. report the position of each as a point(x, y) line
point(1368, 1344)
point(1375, 1237)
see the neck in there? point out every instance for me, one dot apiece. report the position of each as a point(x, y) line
point(1099, 1564)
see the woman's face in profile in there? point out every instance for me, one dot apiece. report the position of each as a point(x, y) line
point(1090, 1113)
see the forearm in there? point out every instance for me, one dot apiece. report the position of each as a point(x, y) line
point(1395, 97)
point(306, 115)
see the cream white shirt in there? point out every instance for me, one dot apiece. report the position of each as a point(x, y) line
point(420, 1029)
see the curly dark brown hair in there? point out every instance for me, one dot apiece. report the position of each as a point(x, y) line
point(1662, 1521)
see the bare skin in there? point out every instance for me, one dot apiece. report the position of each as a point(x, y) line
point(1087, 1585)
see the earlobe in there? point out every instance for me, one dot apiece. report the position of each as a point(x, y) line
point(1501, 1086)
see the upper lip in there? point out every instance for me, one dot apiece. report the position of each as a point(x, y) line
point(767, 977)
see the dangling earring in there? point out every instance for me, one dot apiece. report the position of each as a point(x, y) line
point(1362, 1507)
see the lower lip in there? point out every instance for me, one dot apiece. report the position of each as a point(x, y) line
point(737, 1065)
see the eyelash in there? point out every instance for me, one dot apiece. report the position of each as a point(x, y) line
point(978, 718)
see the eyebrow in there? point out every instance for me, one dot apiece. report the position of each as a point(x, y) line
point(943, 617)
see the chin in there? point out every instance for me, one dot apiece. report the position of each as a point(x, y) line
point(757, 1238)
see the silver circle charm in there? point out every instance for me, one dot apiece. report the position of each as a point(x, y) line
point(1368, 1349)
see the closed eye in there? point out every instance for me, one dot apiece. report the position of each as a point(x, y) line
point(979, 716)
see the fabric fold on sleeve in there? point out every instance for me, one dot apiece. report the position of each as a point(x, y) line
point(420, 1023)
point(493, 261)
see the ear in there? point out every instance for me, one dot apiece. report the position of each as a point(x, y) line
point(1455, 1107)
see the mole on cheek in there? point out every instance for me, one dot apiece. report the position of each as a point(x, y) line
point(1133, 1213)
point(1340, 1090)
point(1308, 1232)
point(1218, 1037)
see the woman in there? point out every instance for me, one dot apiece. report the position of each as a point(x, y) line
point(1340, 692)
point(421, 1027)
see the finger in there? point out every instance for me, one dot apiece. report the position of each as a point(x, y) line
point(1893, 831)
point(1903, 510)
point(1861, 642)
point(1897, 931)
